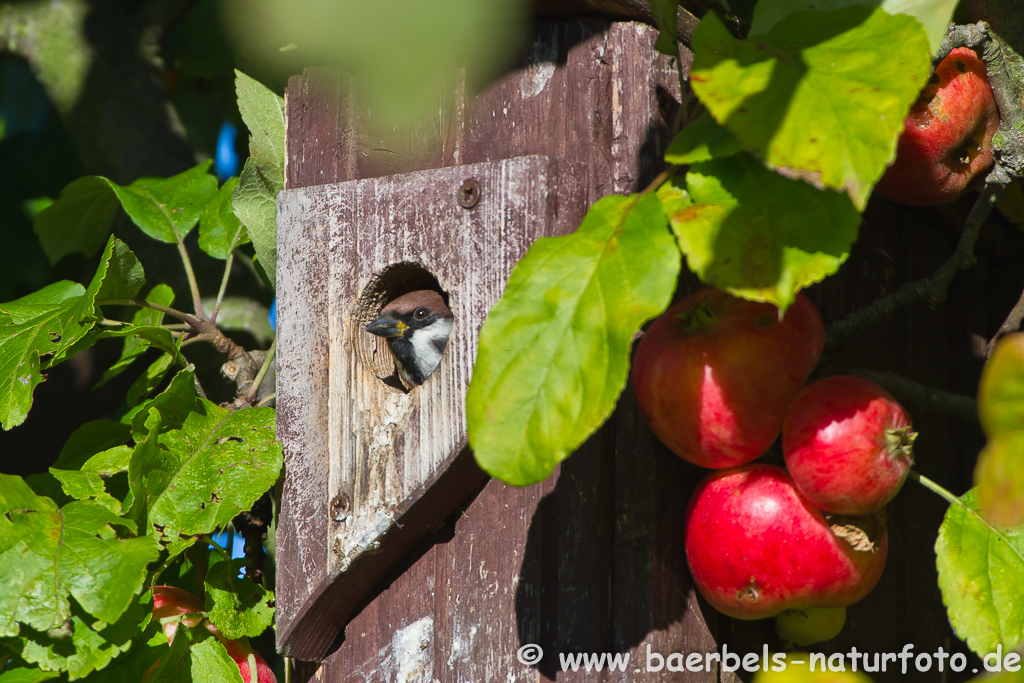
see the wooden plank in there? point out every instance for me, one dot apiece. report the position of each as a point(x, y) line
point(388, 448)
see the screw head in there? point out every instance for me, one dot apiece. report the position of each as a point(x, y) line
point(339, 507)
point(469, 194)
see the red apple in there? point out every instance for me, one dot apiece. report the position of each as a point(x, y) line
point(946, 145)
point(848, 444)
point(713, 375)
point(169, 601)
point(756, 547)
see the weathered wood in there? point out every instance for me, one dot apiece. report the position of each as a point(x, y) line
point(388, 448)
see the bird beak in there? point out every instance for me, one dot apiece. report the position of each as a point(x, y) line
point(387, 327)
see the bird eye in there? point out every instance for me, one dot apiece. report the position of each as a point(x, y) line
point(420, 313)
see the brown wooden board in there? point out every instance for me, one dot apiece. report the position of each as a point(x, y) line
point(387, 447)
point(592, 559)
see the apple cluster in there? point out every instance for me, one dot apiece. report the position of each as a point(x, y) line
point(718, 379)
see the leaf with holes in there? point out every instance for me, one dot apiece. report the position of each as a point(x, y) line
point(981, 570)
point(820, 97)
point(33, 329)
point(554, 350)
point(195, 479)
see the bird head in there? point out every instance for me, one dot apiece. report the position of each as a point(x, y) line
point(417, 326)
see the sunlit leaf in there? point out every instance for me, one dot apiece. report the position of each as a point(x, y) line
point(756, 234)
point(821, 97)
point(934, 15)
point(554, 350)
point(981, 570)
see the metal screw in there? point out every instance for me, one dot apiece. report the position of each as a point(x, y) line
point(469, 194)
point(339, 507)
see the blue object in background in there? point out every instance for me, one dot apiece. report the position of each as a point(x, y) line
point(237, 548)
point(272, 315)
point(225, 162)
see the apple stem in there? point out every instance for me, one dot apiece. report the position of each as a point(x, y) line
point(954, 500)
point(935, 488)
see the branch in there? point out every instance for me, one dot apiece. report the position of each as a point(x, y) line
point(933, 288)
point(1010, 324)
point(910, 392)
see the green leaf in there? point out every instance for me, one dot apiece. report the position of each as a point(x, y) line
point(255, 197)
point(174, 403)
point(701, 140)
point(1001, 389)
point(198, 478)
point(137, 344)
point(246, 315)
point(121, 275)
point(146, 384)
point(83, 215)
point(56, 553)
point(255, 202)
point(220, 231)
point(554, 350)
point(47, 323)
point(41, 324)
point(176, 661)
point(162, 206)
point(821, 97)
point(92, 646)
point(80, 220)
point(240, 608)
point(88, 440)
point(109, 462)
point(934, 15)
point(981, 570)
point(665, 17)
point(86, 485)
point(263, 113)
point(211, 663)
point(25, 675)
point(756, 234)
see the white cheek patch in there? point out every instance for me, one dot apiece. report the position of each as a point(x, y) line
point(429, 344)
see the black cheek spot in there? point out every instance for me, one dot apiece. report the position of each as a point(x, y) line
point(960, 66)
